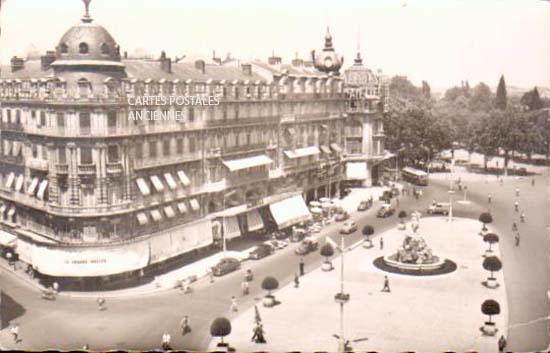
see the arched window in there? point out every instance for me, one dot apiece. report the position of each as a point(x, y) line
point(104, 49)
point(63, 48)
point(83, 48)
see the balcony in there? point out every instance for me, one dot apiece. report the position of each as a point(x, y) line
point(62, 169)
point(114, 168)
point(379, 134)
point(11, 127)
point(12, 160)
point(215, 187)
point(244, 148)
point(38, 164)
point(162, 161)
point(86, 169)
point(275, 173)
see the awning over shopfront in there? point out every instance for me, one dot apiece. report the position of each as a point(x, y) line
point(335, 147)
point(19, 182)
point(195, 205)
point(142, 218)
point(170, 181)
point(16, 148)
point(249, 162)
point(182, 207)
point(10, 180)
point(156, 215)
point(231, 227)
point(7, 239)
point(143, 187)
point(356, 171)
point(32, 188)
point(169, 211)
point(303, 152)
point(183, 178)
point(42, 189)
point(157, 183)
point(290, 211)
point(254, 220)
point(325, 149)
point(290, 130)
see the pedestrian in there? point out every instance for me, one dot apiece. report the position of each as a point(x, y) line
point(15, 332)
point(522, 217)
point(86, 347)
point(489, 198)
point(255, 333)
point(211, 275)
point(517, 239)
point(381, 243)
point(517, 192)
point(501, 181)
point(234, 307)
point(302, 267)
point(533, 182)
point(185, 325)
point(397, 201)
point(101, 304)
point(166, 341)
point(501, 343)
point(296, 281)
point(260, 338)
point(386, 285)
point(245, 288)
point(514, 227)
point(185, 287)
point(55, 287)
point(516, 206)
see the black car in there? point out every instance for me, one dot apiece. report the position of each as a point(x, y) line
point(226, 265)
point(261, 250)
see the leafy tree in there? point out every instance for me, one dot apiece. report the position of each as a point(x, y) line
point(485, 218)
point(426, 90)
point(501, 98)
point(220, 327)
point(270, 283)
point(492, 264)
point(490, 307)
point(368, 230)
point(490, 238)
point(531, 100)
point(481, 98)
point(327, 251)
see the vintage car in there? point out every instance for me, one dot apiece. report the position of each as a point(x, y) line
point(439, 208)
point(348, 227)
point(385, 211)
point(342, 216)
point(261, 251)
point(225, 266)
point(364, 205)
point(308, 245)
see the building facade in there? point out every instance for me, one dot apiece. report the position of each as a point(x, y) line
point(90, 194)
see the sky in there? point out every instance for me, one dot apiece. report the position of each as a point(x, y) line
point(440, 41)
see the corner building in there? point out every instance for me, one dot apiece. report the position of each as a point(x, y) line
point(91, 198)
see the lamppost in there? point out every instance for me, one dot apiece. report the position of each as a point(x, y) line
point(451, 192)
point(224, 241)
point(341, 298)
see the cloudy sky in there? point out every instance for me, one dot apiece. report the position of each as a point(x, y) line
point(441, 41)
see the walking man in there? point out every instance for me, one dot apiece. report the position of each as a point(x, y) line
point(501, 343)
point(101, 304)
point(533, 182)
point(517, 239)
point(234, 307)
point(166, 341)
point(296, 281)
point(245, 288)
point(517, 192)
point(381, 243)
point(386, 285)
point(489, 198)
point(516, 206)
point(211, 275)
point(185, 325)
point(302, 267)
point(15, 332)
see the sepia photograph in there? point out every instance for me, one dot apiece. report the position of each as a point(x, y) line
point(275, 176)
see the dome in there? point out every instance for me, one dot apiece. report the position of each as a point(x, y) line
point(358, 74)
point(88, 41)
point(327, 60)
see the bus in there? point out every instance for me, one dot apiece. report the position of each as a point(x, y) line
point(414, 176)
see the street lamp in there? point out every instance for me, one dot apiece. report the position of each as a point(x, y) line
point(451, 192)
point(224, 241)
point(341, 298)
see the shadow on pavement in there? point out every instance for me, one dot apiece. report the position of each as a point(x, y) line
point(9, 310)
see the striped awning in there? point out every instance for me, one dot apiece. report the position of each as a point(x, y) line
point(231, 227)
point(156, 215)
point(170, 181)
point(254, 220)
point(169, 211)
point(10, 180)
point(143, 187)
point(182, 207)
point(142, 218)
point(19, 182)
point(157, 183)
point(335, 147)
point(302, 152)
point(195, 204)
point(42, 189)
point(32, 188)
point(249, 162)
point(16, 148)
point(183, 178)
point(325, 149)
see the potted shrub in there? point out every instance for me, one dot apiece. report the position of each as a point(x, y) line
point(220, 327)
point(327, 251)
point(402, 215)
point(269, 284)
point(490, 238)
point(485, 218)
point(492, 264)
point(490, 307)
point(367, 231)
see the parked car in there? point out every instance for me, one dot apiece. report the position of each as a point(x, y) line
point(261, 251)
point(364, 205)
point(385, 211)
point(340, 217)
point(298, 234)
point(348, 227)
point(277, 244)
point(439, 208)
point(225, 266)
point(308, 245)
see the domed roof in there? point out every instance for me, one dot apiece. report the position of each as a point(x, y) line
point(327, 61)
point(88, 41)
point(358, 74)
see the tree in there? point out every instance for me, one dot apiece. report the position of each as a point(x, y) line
point(402, 214)
point(270, 283)
point(490, 307)
point(485, 218)
point(481, 98)
point(492, 264)
point(531, 100)
point(426, 90)
point(490, 238)
point(501, 98)
point(368, 230)
point(327, 251)
point(220, 327)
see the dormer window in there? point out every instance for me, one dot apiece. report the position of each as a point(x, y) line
point(63, 48)
point(83, 48)
point(104, 49)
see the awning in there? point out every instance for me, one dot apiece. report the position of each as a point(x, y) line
point(356, 171)
point(32, 188)
point(231, 227)
point(335, 147)
point(170, 181)
point(169, 211)
point(183, 178)
point(19, 182)
point(325, 149)
point(290, 130)
point(7, 239)
point(156, 215)
point(249, 162)
point(143, 187)
point(303, 152)
point(10, 180)
point(290, 211)
point(3, 211)
point(7, 147)
point(42, 189)
point(11, 213)
point(142, 218)
point(182, 207)
point(254, 220)
point(16, 148)
point(324, 126)
point(195, 205)
point(157, 183)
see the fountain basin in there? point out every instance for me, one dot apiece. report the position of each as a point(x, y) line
point(390, 260)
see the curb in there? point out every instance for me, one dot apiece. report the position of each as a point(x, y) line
point(22, 277)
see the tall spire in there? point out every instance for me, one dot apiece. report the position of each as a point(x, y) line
point(358, 59)
point(328, 41)
point(87, 18)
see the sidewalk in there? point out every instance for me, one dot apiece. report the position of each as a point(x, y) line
point(429, 314)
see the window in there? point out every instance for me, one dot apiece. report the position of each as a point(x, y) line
point(166, 147)
point(112, 153)
point(192, 144)
point(179, 145)
point(63, 48)
point(85, 155)
point(61, 156)
point(8, 112)
point(153, 149)
point(60, 120)
point(33, 114)
point(84, 122)
point(34, 150)
point(191, 117)
point(18, 117)
point(83, 48)
point(139, 151)
point(42, 121)
point(237, 113)
point(84, 87)
point(224, 113)
point(111, 119)
point(104, 49)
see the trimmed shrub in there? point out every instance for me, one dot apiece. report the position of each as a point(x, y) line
point(490, 307)
point(220, 327)
point(270, 283)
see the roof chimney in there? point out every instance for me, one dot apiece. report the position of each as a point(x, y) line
point(47, 60)
point(274, 60)
point(247, 69)
point(200, 65)
point(17, 64)
point(125, 55)
point(165, 63)
point(216, 59)
point(297, 61)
